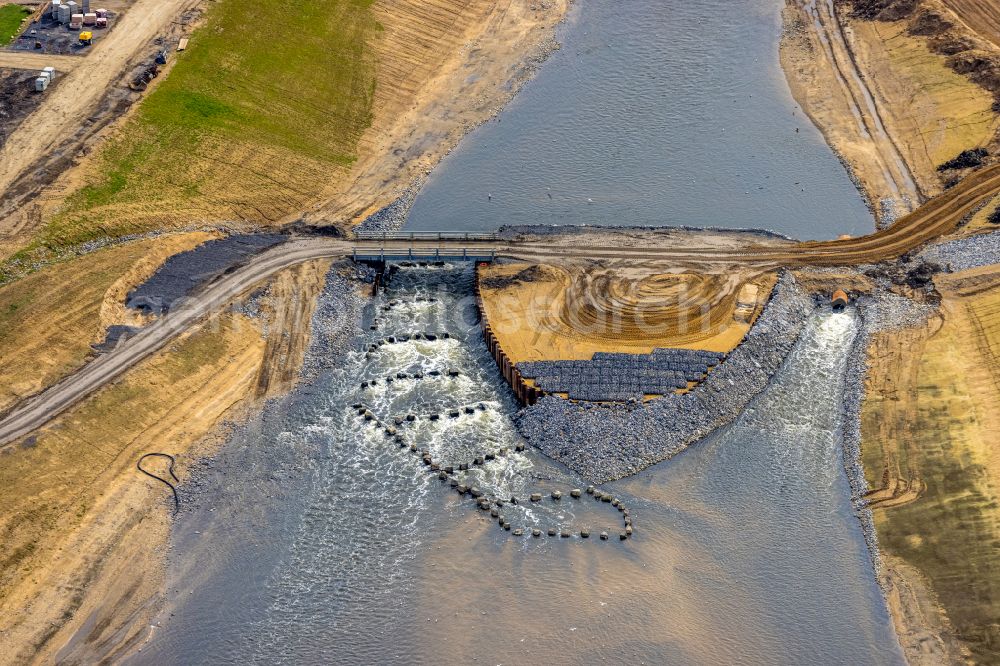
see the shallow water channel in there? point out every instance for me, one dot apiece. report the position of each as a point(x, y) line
point(314, 538)
point(652, 113)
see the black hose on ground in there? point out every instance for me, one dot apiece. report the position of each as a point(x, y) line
point(173, 489)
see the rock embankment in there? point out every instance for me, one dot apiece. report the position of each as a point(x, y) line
point(965, 253)
point(182, 274)
point(604, 442)
point(335, 322)
point(393, 216)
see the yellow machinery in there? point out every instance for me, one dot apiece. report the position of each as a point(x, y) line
point(87, 37)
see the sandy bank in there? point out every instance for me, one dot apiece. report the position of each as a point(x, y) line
point(889, 106)
point(84, 532)
point(569, 312)
point(446, 66)
point(928, 428)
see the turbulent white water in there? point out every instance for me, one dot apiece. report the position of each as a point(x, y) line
point(317, 539)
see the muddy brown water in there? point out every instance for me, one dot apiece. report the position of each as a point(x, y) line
point(652, 113)
point(312, 539)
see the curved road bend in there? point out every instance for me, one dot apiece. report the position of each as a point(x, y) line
point(935, 218)
point(36, 411)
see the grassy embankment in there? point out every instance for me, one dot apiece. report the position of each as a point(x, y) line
point(935, 426)
point(10, 22)
point(264, 107)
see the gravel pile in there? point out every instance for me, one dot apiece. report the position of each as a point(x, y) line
point(966, 253)
point(604, 442)
point(182, 273)
point(115, 335)
point(393, 216)
point(335, 322)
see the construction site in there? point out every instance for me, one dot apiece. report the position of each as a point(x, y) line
point(226, 356)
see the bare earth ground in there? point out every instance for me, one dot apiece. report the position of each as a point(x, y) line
point(891, 108)
point(47, 327)
point(929, 430)
point(981, 16)
point(64, 64)
point(83, 87)
point(83, 531)
point(933, 112)
point(568, 312)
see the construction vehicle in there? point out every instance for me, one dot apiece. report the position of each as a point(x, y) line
point(86, 38)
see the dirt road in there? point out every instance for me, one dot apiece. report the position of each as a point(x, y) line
point(76, 96)
point(935, 218)
point(32, 60)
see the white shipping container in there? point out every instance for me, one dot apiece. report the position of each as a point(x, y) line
point(64, 14)
point(46, 76)
point(51, 71)
point(55, 9)
point(41, 83)
point(89, 19)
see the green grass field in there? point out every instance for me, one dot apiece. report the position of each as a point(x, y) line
point(10, 22)
point(268, 99)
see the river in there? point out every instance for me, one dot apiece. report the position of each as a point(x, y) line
point(314, 538)
point(652, 113)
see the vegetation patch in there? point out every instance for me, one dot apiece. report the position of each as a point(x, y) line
point(268, 101)
point(967, 159)
point(10, 22)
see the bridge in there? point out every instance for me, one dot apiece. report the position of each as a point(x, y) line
point(429, 246)
point(937, 217)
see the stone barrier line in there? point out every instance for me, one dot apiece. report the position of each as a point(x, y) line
point(452, 413)
point(403, 376)
point(447, 473)
point(399, 339)
point(395, 303)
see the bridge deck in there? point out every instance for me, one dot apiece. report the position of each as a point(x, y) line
point(423, 254)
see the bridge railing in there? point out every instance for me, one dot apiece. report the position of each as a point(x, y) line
point(424, 254)
point(423, 236)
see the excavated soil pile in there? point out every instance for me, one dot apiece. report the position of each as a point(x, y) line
point(17, 99)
